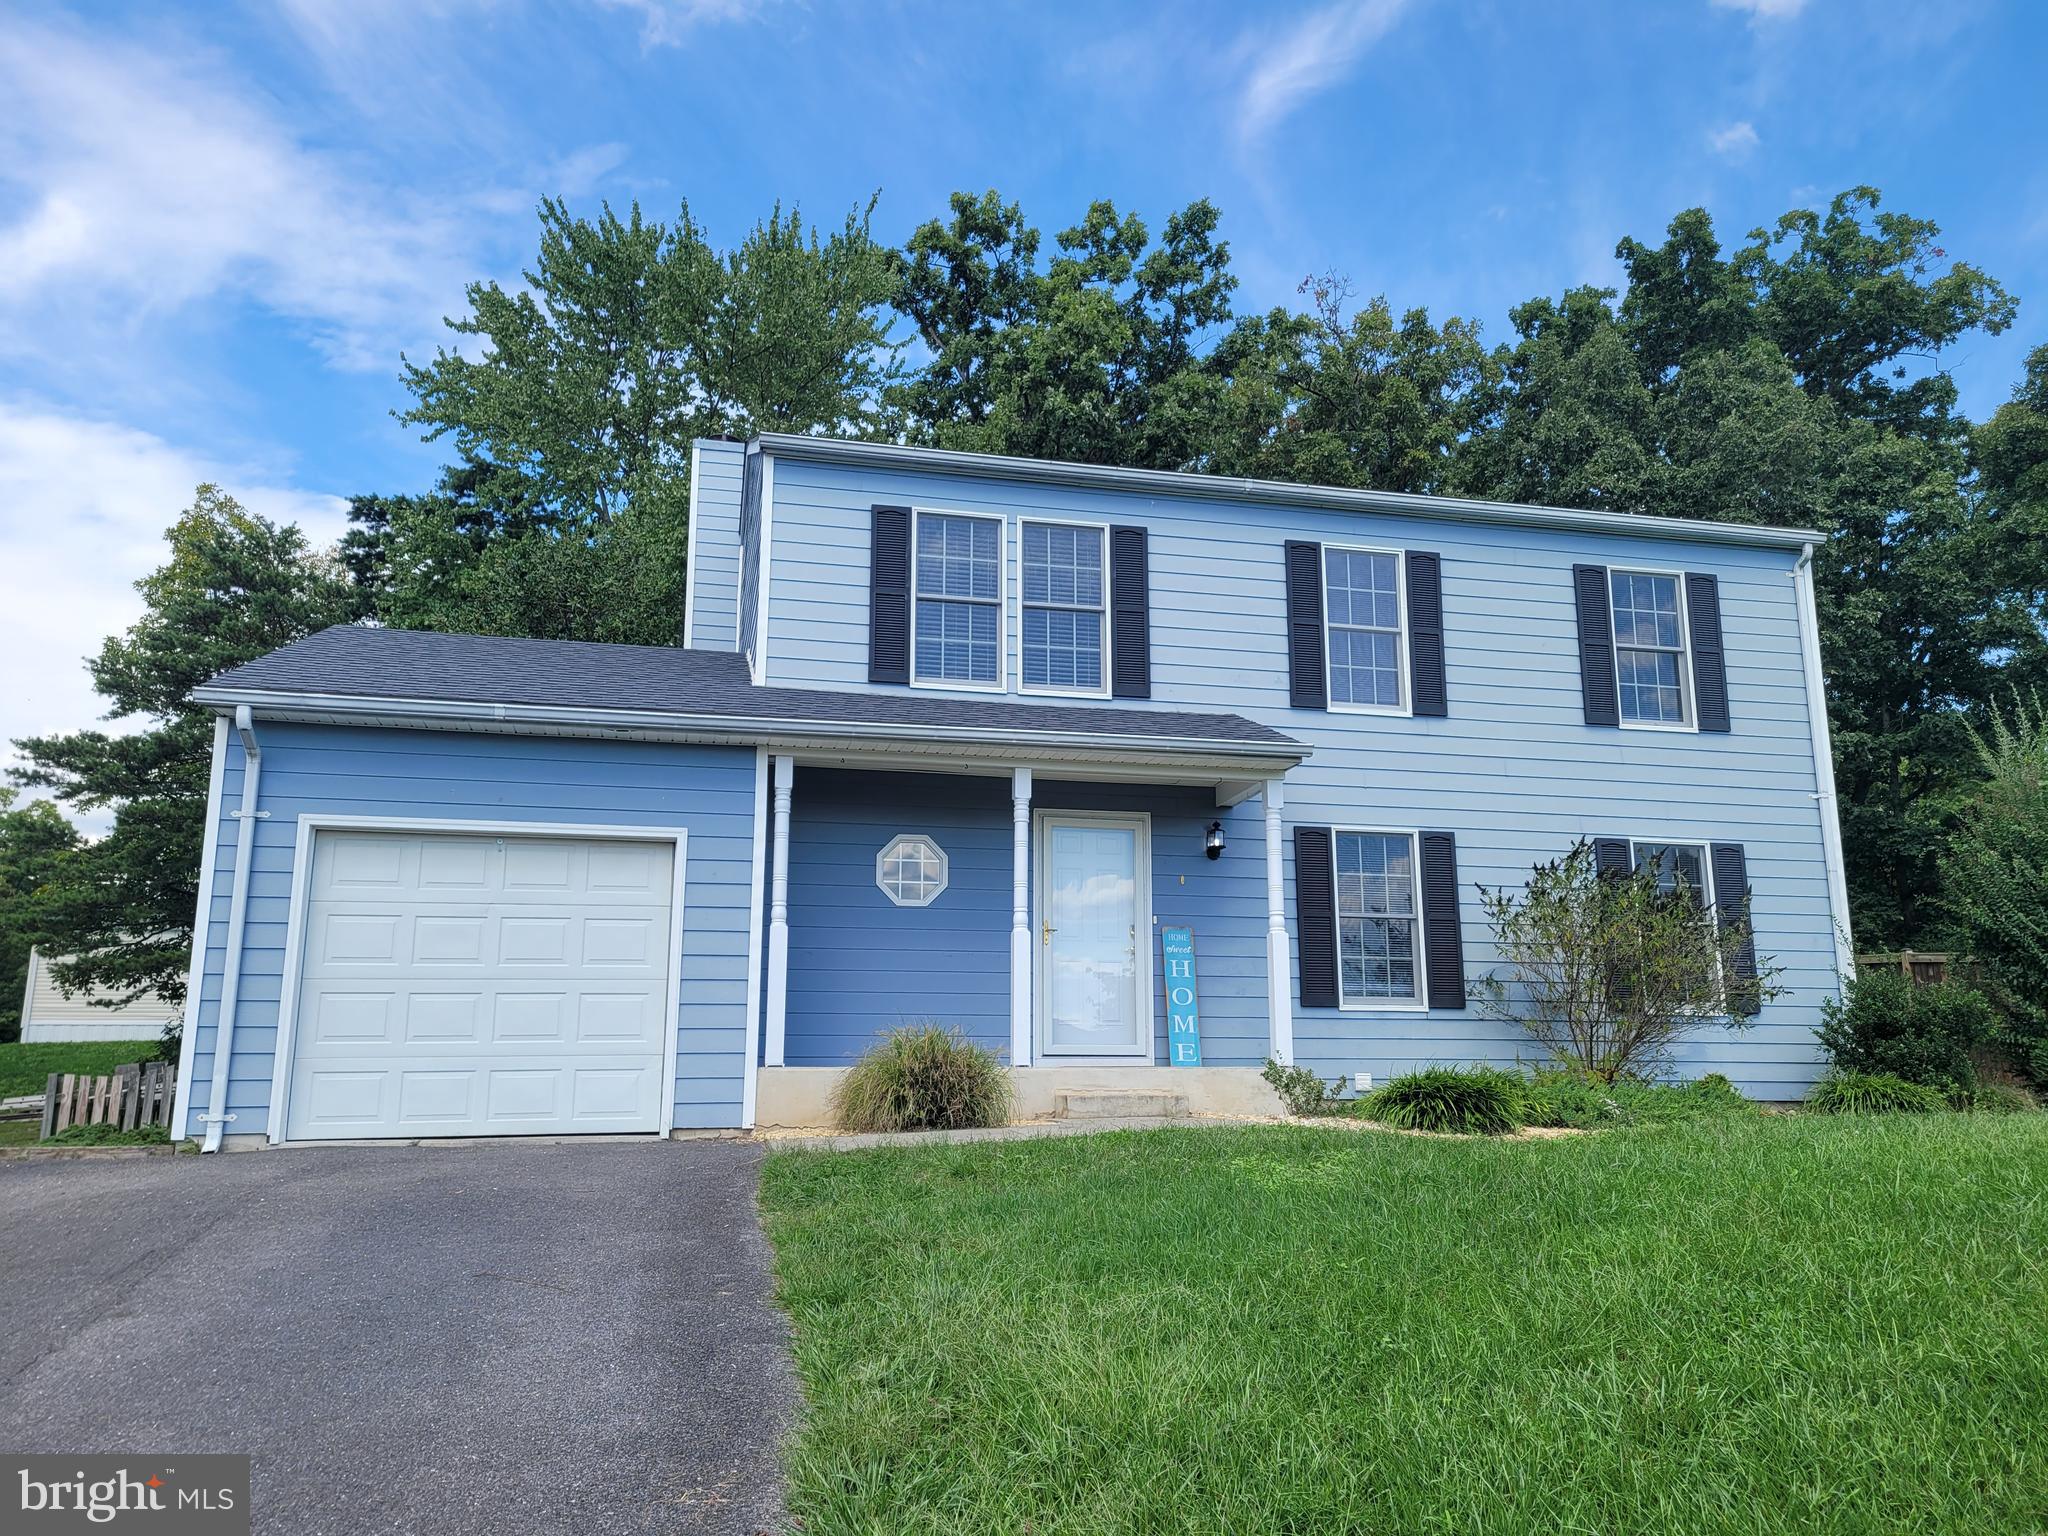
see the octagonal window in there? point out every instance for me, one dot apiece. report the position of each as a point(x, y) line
point(911, 871)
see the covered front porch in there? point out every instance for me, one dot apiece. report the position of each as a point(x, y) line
point(1024, 906)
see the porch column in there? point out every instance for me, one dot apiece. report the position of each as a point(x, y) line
point(1279, 994)
point(778, 916)
point(1020, 917)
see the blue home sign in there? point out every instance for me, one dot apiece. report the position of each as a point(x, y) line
point(1183, 1009)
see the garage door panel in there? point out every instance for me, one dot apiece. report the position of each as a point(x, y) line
point(474, 985)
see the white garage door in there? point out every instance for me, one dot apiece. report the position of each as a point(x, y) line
point(481, 986)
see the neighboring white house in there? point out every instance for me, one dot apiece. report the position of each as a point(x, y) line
point(47, 1014)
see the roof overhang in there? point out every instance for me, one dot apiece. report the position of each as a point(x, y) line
point(1161, 482)
point(1217, 762)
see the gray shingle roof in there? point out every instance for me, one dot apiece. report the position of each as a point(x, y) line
point(352, 661)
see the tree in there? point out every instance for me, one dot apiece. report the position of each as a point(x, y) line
point(1992, 884)
point(35, 840)
point(565, 514)
point(233, 587)
point(1609, 973)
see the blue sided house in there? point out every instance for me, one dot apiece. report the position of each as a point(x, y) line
point(982, 741)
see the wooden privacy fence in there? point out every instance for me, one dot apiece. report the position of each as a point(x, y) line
point(131, 1097)
point(1919, 965)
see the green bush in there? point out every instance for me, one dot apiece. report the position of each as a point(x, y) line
point(1886, 1025)
point(109, 1136)
point(1873, 1093)
point(924, 1078)
point(1302, 1091)
point(1572, 1100)
point(1468, 1100)
point(1998, 1099)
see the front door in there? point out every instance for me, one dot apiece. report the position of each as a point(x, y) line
point(1094, 935)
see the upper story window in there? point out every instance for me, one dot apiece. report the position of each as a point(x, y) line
point(1378, 932)
point(1064, 611)
point(1363, 615)
point(1650, 662)
point(957, 630)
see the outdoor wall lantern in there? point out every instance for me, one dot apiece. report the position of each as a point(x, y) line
point(1213, 843)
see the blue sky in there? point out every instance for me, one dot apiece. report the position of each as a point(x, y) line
point(219, 226)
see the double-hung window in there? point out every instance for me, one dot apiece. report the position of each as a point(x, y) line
point(957, 631)
point(1650, 662)
point(1378, 927)
point(1679, 867)
point(1064, 611)
point(1363, 617)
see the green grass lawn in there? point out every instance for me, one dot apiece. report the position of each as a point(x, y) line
point(1788, 1324)
point(25, 1067)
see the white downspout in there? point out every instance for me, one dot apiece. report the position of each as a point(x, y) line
point(1823, 765)
point(216, 1116)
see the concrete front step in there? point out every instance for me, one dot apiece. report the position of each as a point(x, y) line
point(1123, 1104)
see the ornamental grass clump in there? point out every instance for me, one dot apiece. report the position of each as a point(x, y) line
point(1873, 1093)
point(923, 1078)
point(1472, 1101)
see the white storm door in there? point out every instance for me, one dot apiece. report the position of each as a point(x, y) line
point(1093, 930)
point(466, 985)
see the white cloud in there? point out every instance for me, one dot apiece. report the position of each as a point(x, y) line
point(1736, 139)
point(1763, 10)
point(666, 22)
point(140, 181)
point(83, 509)
point(1308, 58)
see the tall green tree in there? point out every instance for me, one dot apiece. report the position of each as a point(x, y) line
point(35, 840)
point(571, 404)
point(233, 586)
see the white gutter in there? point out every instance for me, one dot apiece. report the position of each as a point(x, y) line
point(1823, 765)
point(216, 1116)
point(195, 975)
point(1161, 482)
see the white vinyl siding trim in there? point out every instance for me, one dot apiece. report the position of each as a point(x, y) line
point(1026, 605)
point(998, 606)
point(1688, 716)
point(1418, 1000)
point(1397, 632)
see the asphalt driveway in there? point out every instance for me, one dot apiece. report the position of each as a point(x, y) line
point(504, 1337)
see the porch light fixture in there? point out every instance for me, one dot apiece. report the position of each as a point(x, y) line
point(1213, 843)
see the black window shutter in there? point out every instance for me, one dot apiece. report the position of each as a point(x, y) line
point(1610, 857)
point(1443, 943)
point(1709, 661)
point(1731, 898)
point(889, 595)
point(1307, 687)
point(1315, 915)
point(1130, 622)
point(1426, 633)
point(1596, 645)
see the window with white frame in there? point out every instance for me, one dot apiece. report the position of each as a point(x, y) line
point(911, 871)
point(1362, 620)
point(1649, 647)
point(1064, 608)
point(957, 632)
point(1378, 931)
point(1679, 866)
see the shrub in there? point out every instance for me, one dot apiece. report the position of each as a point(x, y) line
point(1998, 1099)
point(1469, 1100)
point(104, 1135)
point(1576, 1101)
point(1607, 972)
point(1873, 1093)
point(1302, 1091)
point(1887, 1025)
point(920, 1079)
